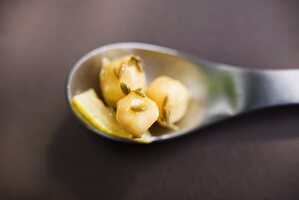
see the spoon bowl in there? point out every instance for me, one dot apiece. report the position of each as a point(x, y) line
point(217, 90)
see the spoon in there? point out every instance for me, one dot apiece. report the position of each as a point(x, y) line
point(219, 91)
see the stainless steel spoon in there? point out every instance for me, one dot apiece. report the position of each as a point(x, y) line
point(218, 91)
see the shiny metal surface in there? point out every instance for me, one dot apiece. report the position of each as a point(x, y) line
point(218, 91)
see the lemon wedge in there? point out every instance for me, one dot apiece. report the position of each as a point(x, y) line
point(90, 109)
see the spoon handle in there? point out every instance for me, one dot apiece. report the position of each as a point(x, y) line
point(269, 88)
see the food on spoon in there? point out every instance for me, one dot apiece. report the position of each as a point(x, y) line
point(90, 109)
point(172, 98)
point(128, 70)
point(136, 112)
point(122, 84)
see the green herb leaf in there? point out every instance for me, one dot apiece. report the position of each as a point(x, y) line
point(138, 108)
point(136, 61)
point(139, 89)
point(125, 89)
point(138, 92)
point(116, 73)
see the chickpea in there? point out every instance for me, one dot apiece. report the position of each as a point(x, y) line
point(136, 112)
point(128, 69)
point(172, 98)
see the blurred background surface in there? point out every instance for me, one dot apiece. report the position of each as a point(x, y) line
point(46, 154)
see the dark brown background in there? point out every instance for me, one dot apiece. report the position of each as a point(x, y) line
point(46, 154)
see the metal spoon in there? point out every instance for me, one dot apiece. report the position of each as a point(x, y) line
point(218, 91)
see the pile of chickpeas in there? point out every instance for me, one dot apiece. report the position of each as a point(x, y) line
point(123, 87)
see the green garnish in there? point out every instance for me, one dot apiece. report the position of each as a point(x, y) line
point(116, 73)
point(138, 92)
point(125, 89)
point(136, 61)
point(138, 108)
